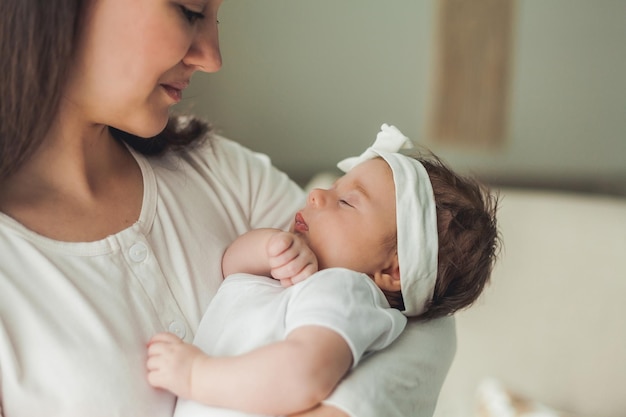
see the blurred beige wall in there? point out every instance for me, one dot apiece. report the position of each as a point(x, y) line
point(310, 82)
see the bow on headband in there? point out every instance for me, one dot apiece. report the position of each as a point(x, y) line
point(389, 139)
point(416, 217)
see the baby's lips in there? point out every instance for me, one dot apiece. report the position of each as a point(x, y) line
point(299, 223)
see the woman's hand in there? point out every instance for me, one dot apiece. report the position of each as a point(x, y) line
point(290, 258)
point(321, 411)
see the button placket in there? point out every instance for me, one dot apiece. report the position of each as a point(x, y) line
point(150, 276)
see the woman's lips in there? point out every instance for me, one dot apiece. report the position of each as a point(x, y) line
point(175, 90)
point(174, 93)
point(299, 224)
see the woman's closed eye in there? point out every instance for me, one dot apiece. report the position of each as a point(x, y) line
point(191, 15)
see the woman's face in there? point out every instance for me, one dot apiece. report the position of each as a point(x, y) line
point(135, 57)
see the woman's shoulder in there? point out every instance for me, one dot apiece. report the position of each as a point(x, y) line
point(235, 176)
point(218, 152)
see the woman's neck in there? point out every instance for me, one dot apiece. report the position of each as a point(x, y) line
point(81, 184)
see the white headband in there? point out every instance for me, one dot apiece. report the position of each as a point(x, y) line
point(416, 217)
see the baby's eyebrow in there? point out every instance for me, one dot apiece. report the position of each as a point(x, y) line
point(361, 189)
point(353, 184)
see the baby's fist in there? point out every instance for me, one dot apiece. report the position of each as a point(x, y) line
point(291, 259)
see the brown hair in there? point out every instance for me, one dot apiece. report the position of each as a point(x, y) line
point(37, 40)
point(180, 132)
point(469, 240)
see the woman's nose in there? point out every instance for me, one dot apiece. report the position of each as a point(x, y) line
point(204, 52)
point(317, 197)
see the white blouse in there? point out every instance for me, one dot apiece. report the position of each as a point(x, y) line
point(75, 317)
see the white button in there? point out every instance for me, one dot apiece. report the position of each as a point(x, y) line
point(177, 328)
point(138, 252)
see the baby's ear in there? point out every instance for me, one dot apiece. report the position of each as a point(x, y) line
point(388, 279)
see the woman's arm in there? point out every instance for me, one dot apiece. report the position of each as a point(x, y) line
point(404, 380)
point(277, 379)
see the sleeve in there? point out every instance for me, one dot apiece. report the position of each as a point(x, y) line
point(268, 196)
point(348, 303)
point(405, 379)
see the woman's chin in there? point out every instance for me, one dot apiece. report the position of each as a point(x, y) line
point(146, 128)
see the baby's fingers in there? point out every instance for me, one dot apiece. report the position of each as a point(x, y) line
point(288, 269)
point(298, 268)
point(306, 272)
point(279, 244)
point(154, 363)
point(164, 337)
point(156, 378)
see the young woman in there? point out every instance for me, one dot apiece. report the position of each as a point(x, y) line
point(114, 215)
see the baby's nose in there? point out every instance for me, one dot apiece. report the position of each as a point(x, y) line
point(316, 197)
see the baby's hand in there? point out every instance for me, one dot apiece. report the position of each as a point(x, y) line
point(290, 258)
point(170, 362)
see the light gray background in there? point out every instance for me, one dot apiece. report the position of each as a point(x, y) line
point(310, 82)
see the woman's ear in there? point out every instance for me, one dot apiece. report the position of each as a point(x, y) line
point(388, 279)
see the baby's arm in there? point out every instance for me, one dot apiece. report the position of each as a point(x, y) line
point(272, 253)
point(281, 378)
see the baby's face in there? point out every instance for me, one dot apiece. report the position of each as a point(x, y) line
point(353, 224)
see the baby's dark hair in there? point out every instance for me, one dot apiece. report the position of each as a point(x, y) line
point(469, 240)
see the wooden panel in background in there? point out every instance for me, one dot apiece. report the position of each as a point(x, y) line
point(470, 97)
